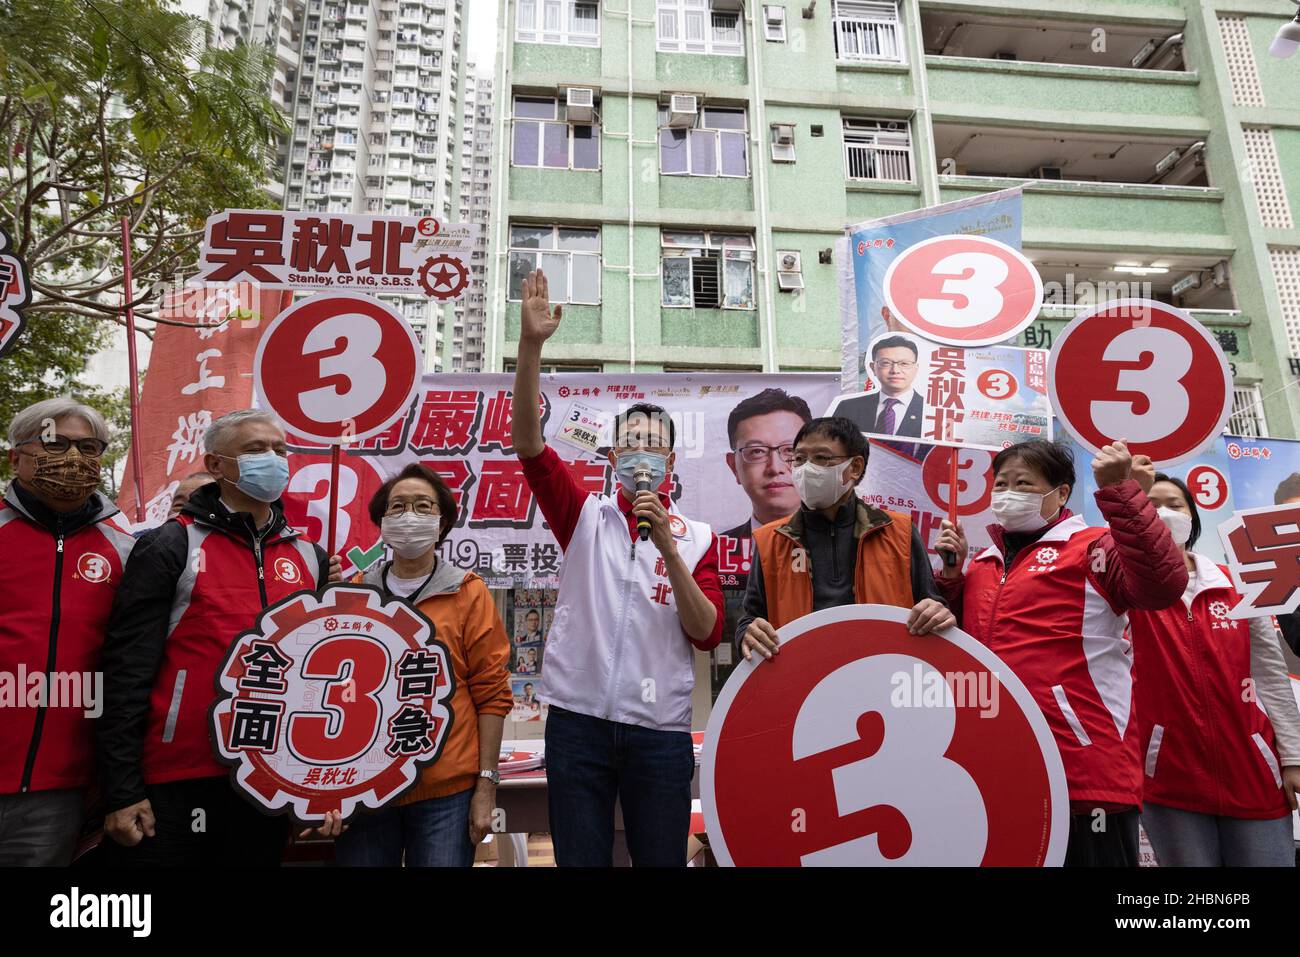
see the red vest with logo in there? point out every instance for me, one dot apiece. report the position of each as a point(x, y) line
point(55, 596)
point(1206, 740)
point(1053, 625)
point(221, 592)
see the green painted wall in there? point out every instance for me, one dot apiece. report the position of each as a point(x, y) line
point(804, 206)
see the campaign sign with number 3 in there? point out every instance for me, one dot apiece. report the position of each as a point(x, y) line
point(1145, 372)
point(860, 744)
point(334, 701)
point(339, 366)
point(963, 290)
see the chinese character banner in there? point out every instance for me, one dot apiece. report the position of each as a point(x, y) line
point(459, 425)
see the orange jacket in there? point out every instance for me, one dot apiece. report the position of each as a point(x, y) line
point(465, 619)
point(882, 570)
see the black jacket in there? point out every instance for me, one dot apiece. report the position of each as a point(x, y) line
point(138, 628)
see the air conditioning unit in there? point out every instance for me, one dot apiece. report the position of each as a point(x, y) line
point(683, 108)
point(783, 142)
point(1049, 172)
point(580, 104)
point(789, 270)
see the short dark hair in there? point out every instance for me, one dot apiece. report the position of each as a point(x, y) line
point(1191, 505)
point(894, 342)
point(1289, 488)
point(655, 413)
point(1052, 460)
point(416, 470)
point(844, 430)
point(763, 403)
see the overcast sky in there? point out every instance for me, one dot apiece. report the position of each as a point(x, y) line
point(482, 34)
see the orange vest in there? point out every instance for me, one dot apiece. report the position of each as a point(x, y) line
point(882, 573)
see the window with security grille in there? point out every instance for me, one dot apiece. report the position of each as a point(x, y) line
point(878, 150)
point(867, 31)
point(1247, 412)
point(699, 26)
point(708, 270)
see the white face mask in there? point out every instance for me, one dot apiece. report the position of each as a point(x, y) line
point(410, 535)
point(1178, 523)
point(820, 486)
point(1020, 511)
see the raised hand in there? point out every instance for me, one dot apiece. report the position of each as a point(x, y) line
point(538, 321)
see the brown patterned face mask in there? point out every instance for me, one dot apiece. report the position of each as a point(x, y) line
point(66, 477)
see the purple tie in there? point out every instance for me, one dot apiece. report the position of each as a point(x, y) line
point(888, 425)
point(888, 421)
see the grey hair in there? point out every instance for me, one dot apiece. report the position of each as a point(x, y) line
point(218, 433)
point(32, 421)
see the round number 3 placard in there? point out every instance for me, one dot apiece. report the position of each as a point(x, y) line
point(1141, 370)
point(963, 290)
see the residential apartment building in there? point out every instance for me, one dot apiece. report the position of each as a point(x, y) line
point(683, 168)
point(466, 341)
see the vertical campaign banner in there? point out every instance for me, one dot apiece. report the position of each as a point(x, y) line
point(198, 371)
point(868, 249)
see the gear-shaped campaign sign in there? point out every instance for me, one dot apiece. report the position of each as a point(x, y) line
point(15, 292)
point(444, 277)
point(333, 701)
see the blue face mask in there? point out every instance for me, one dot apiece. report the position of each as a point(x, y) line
point(627, 465)
point(262, 475)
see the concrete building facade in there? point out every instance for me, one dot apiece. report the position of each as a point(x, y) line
point(665, 159)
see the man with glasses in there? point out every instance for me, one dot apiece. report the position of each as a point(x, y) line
point(760, 434)
point(897, 408)
point(189, 589)
point(61, 558)
point(629, 616)
point(836, 549)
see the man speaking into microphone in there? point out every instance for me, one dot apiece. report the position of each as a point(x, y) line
point(639, 594)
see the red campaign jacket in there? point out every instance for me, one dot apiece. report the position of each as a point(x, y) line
point(1208, 747)
point(55, 593)
point(192, 586)
point(1058, 619)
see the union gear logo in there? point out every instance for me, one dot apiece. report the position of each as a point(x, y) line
point(313, 719)
point(1046, 556)
point(93, 568)
point(1219, 609)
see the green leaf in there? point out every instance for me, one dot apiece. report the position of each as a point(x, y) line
point(99, 55)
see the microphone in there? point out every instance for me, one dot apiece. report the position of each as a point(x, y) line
point(642, 478)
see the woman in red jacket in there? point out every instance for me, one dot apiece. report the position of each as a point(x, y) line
point(1220, 784)
point(1051, 598)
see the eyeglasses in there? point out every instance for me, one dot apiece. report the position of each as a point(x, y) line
point(753, 454)
point(887, 365)
point(821, 458)
point(422, 506)
point(90, 448)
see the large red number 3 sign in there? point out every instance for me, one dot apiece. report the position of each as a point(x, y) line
point(1143, 371)
point(890, 750)
point(338, 365)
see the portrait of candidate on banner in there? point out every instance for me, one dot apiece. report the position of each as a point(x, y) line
point(920, 392)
